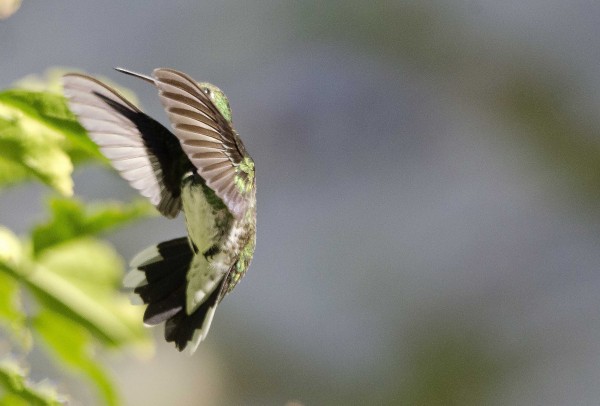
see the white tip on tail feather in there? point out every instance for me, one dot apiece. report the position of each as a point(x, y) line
point(135, 299)
point(145, 257)
point(201, 333)
point(134, 278)
point(202, 279)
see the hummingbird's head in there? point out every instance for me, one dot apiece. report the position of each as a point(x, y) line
point(218, 98)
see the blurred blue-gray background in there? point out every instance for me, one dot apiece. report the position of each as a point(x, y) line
point(428, 185)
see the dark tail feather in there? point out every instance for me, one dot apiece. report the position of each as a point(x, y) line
point(158, 279)
point(181, 328)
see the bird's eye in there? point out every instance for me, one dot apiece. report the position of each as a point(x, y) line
point(206, 91)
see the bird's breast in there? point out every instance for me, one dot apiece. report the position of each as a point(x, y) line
point(201, 217)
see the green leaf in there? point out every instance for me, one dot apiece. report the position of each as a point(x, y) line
point(12, 314)
point(74, 278)
point(49, 82)
point(79, 279)
point(37, 151)
point(10, 399)
point(11, 250)
point(42, 138)
point(13, 378)
point(49, 112)
point(72, 219)
point(76, 284)
point(11, 172)
point(72, 345)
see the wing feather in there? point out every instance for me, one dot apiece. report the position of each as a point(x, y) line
point(139, 148)
point(205, 135)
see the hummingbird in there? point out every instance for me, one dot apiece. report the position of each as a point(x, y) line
point(200, 167)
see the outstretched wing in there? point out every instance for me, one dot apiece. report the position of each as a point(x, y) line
point(207, 138)
point(144, 152)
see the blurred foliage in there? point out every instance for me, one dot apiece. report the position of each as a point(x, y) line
point(72, 219)
point(568, 143)
point(451, 362)
point(20, 391)
point(40, 137)
point(510, 80)
point(73, 305)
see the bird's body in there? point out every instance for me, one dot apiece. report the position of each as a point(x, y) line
point(216, 236)
point(202, 169)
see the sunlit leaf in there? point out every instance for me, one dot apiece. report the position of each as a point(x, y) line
point(51, 82)
point(10, 399)
point(72, 219)
point(48, 113)
point(73, 278)
point(11, 251)
point(72, 345)
point(12, 315)
point(48, 82)
point(35, 150)
point(79, 279)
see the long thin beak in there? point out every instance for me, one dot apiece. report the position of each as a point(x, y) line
point(135, 74)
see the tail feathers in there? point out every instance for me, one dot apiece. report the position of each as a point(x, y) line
point(158, 279)
point(184, 329)
point(162, 310)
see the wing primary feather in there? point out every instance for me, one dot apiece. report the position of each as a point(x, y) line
point(130, 139)
point(206, 137)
